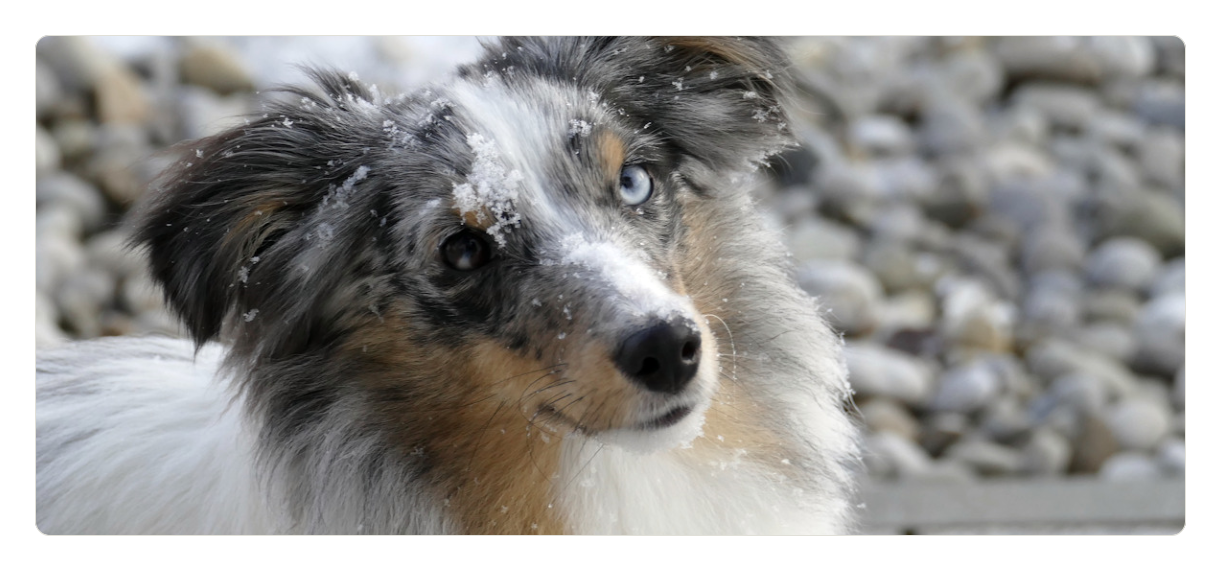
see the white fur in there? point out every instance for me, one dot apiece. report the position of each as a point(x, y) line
point(134, 437)
point(612, 490)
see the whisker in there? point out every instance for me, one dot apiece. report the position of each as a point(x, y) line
point(732, 347)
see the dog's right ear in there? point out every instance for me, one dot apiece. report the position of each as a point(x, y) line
point(211, 222)
point(719, 100)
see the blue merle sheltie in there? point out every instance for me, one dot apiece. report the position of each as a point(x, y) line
point(533, 298)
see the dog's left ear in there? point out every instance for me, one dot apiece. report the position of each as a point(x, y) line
point(263, 218)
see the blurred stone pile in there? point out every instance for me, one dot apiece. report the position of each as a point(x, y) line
point(996, 225)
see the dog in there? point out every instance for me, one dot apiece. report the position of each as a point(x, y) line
point(535, 298)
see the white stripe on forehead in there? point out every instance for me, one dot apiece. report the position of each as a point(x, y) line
point(519, 132)
point(640, 285)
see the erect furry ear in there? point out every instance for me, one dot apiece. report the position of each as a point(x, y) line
point(220, 221)
point(721, 100)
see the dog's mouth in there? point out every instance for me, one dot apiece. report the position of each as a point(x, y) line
point(676, 415)
point(670, 418)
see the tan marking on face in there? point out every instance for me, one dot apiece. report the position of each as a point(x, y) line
point(491, 464)
point(611, 154)
point(461, 413)
point(510, 460)
point(480, 219)
point(606, 396)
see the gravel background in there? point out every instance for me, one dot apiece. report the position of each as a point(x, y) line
point(996, 225)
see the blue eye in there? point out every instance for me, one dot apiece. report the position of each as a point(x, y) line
point(635, 185)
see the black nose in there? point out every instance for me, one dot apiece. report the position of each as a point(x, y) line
point(663, 356)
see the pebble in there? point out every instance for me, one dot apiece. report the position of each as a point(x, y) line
point(988, 259)
point(46, 152)
point(880, 135)
point(1137, 423)
point(817, 238)
point(1052, 247)
point(847, 192)
point(120, 97)
point(974, 75)
point(1028, 204)
point(1047, 453)
point(1048, 57)
point(56, 256)
point(889, 453)
point(894, 264)
point(1005, 420)
point(1171, 279)
point(847, 292)
point(1111, 305)
point(1022, 125)
point(888, 415)
point(1172, 456)
point(82, 297)
point(1161, 154)
point(77, 62)
point(1093, 445)
point(1083, 392)
point(1160, 331)
point(1049, 311)
point(1170, 55)
point(64, 190)
point(904, 178)
point(962, 193)
point(1162, 103)
point(114, 167)
point(1125, 263)
point(1051, 358)
point(897, 223)
point(74, 137)
point(883, 372)
point(1156, 218)
point(966, 388)
point(986, 457)
point(1117, 129)
point(47, 90)
point(942, 430)
point(1130, 466)
point(912, 310)
point(949, 126)
point(215, 67)
point(972, 318)
point(1123, 56)
point(109, 250)
point(1113, 339)
point(46, 322)
point(1065, 106)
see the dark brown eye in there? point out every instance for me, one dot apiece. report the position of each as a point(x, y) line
point(465, 251)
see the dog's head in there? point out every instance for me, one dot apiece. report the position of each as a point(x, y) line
point(517, 234)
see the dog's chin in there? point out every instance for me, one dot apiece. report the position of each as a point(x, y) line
point(675, 428)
